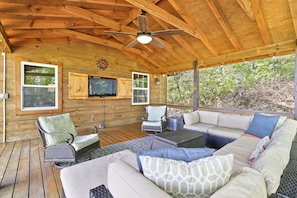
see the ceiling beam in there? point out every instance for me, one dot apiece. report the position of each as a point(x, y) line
point(249, 54)
point(217, 12)
point(260, 21)
point(4, 39)
point(247, 8)
point(88, 15)
point(293, 6)
point(119, 3)
point(169, 18)
point(100, 41)
point(179, 39)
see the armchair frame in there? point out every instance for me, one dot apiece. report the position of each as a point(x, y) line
point(65, 152)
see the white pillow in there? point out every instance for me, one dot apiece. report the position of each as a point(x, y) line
point(191, 118)
point(260, 147)
point(199, 178)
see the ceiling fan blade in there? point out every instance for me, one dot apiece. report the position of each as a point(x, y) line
point(131, 44)
point(167, 32)
point(124, 33)
point(157, 43)
point(142, 23)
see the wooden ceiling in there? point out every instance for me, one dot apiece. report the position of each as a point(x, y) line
point(217, 32)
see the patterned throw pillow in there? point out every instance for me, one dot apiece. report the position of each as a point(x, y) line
point(199, 178)
point(260, 147)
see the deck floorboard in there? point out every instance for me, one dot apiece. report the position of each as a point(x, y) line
point(24, 174)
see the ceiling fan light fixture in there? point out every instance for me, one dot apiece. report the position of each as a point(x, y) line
point(144, 38)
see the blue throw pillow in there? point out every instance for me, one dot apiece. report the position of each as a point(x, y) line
point(262, 125)
point(182, 154)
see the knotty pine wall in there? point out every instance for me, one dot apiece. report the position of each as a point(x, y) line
point(81, 58)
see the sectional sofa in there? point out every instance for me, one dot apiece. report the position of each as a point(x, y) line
point(246, 164)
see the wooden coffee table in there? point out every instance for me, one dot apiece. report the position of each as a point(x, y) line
point(179, 138)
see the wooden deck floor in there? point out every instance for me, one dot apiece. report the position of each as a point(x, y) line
point(23, 173)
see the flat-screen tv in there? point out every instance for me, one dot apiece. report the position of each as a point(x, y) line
point(101, 86)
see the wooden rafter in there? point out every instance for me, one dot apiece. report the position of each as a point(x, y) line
point(169, 18)
point(293, 8)
point(179, 39)
point(261, 22)
point(4, 39)
point(216, 10)
point(120, 3)
point(247, 8)
point(104, 42)
point(88, 15)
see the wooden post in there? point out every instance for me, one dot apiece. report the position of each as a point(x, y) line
point(295, 108)
point(196, 85)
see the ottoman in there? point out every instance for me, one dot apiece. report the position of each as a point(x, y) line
point(179, 138)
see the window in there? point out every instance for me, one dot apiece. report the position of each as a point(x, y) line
point(38, 87)
point(140, 88)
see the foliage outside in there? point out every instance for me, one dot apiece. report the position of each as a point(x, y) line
point(264, 85)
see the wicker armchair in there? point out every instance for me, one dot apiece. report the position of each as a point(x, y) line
point(61, 141)
point(156, 119)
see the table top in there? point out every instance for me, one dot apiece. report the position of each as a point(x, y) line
point(179, 135)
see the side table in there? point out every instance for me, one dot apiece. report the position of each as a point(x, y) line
point(174, 123)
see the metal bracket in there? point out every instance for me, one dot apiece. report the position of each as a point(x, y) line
point(4, 95)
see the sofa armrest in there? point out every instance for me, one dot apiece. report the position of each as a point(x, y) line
point(125, 181)
point(246, 182)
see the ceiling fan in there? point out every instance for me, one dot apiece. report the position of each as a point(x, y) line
point(144, 36)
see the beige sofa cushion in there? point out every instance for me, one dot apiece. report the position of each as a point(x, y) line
point(241, 148)
point(246, 182)
point(209, 117)
point(125, 181)
point(191, 118)
point(275, 158)
point(201, 127)
point(234, 121)
point(225, 132)
point(77, 180)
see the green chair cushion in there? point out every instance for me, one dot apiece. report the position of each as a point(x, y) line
point(57, 124)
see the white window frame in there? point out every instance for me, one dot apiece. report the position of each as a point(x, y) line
point(134, 88)
point(53, 87)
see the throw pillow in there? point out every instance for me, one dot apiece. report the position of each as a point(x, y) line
point(183, 154)
point(191, 118)
point(262, 125)
point(260, 147)
point(57, 124)
point(280, 121)
point(199, 178)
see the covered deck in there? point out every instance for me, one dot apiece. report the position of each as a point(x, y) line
point(23, 173)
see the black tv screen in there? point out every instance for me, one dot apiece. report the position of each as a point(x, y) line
point(100, 86)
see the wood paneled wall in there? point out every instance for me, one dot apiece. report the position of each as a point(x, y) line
point(81, 58)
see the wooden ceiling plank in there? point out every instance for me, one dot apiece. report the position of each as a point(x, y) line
point(250, 54)
point(293, 8)
point(103, 42)
point(224, 23)
point(169, 18)
point(140, 60)
point(179, 39)
point(247, 8)
point(4, 39)
point(261, 22)
point(49, 24)
point(88, 15)
point(119, 3)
